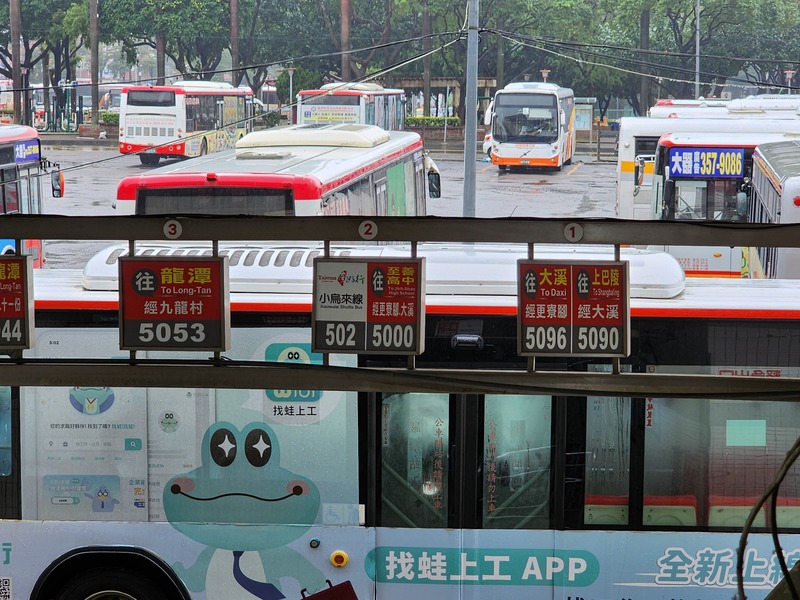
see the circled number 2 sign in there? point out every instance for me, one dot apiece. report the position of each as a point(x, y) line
point(174, 303)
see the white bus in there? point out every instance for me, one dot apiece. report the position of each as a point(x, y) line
point(185, 119)
point(775, 199)
point(638, 138)
point(299, 170)
point(532, 125)
point(364, 103)
point(707, 177)
point(197, 493)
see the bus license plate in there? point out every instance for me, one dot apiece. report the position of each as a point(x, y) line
point(150, 151)
point(524, 162)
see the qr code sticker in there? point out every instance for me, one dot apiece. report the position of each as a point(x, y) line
point(5, 588)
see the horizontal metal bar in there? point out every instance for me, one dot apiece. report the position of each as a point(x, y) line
point(409, 229)
point(256, 375)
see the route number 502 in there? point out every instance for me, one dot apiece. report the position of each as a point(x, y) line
point(340, 335)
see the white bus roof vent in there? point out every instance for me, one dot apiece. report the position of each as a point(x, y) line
point(349, 135)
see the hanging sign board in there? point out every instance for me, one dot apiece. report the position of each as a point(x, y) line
point(573, 308)
point(368, 305)
point(16, 302)
point(174, 303)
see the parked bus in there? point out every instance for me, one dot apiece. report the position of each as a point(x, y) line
point(532, 125)
point(269, 98)
point(299, 170)
point(198, 493)
point(707, 177)
point(22, 169)
point(364, 103)
point(774, 199)
point(638, 138)
point(185, 119)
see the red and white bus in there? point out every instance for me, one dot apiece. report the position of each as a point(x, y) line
point(365, 103)
point(298, 170)
point(185, 119)
point(703, 176)
point(21, 173)
point(120, 490)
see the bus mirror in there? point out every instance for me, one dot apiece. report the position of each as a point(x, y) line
point(57, 183)
point(741, 204)
point(434, 184)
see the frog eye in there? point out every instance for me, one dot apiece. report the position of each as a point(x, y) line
point(223, 447)
point(258, 447)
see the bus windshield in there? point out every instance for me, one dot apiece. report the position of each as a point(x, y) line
point(521, 118)
point(151, 98)
point(263, 202)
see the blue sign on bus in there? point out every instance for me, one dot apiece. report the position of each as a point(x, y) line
point(706, 162)
point(26, 151)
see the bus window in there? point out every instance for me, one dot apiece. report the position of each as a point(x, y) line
point(516, 468)
point(415, 460)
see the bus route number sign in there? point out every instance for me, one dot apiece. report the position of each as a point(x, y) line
point(16, 302)
point(706, 162)
point(368, 305)
point(174, 303)
point(573, 308)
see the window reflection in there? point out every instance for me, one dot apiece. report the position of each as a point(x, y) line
point(516, 470)
point(414, 443)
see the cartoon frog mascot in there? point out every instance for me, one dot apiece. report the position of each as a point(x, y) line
point(245, 507)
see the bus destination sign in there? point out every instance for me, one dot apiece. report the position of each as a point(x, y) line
point(174, 303)
point(16, 302)
point(706, 162)
point(368, 305)
point(573, 308)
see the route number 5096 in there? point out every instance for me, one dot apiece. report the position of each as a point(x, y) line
point(546, 338)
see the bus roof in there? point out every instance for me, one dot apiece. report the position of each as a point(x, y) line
point(462, 279)
point(783, 157)
point(15, 133)
point(634, 126)
point(451, 269)
point(350, 135)
point(725, 139)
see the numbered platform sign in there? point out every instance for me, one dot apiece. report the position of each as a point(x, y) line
point(16, 302)
point(174, 303)
point(573, 308)
point(369, 305)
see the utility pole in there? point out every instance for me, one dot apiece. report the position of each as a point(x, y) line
point(94, 60)
point(471, 111)
point(16, 20)
point(236, 75)
point(345, 34)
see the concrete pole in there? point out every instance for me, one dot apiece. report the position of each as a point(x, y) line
point(471, 111)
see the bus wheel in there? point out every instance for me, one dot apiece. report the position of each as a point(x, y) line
point(149, 160)
point(111, 584)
